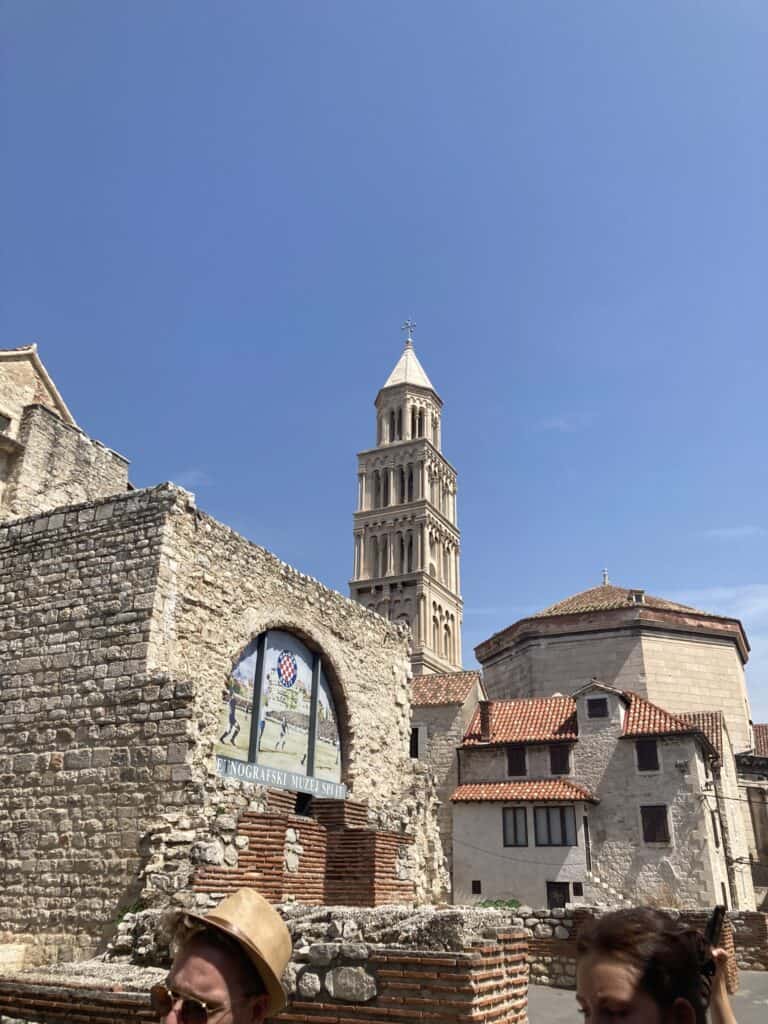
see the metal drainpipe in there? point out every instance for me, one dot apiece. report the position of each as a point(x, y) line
point(726, 835)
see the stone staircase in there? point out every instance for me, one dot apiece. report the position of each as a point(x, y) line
point(598, 893)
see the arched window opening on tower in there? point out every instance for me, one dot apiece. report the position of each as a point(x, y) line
point(447, 643)
point(410, 553)
point(401, 555)
point(385, 487)
point(435, 635)
point(392, 426)
point(376, 489)
point(401, 485)
point(277, 710)
point(413, 421)
point(384, 557)
point(409, 491)
point(399, 424)
point(421, 423)
point(373, 557)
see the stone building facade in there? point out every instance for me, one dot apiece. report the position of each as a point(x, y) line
point(678, 657)
point(596, 797)
point(406, 537)
point(45, 459)
point(443, 706)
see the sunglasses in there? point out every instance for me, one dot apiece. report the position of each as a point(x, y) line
point(191, 1010)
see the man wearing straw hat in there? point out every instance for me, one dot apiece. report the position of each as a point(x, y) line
point(227, 964)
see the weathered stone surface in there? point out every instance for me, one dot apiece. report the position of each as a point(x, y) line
point(323, 953)
point(309, 984)
point(350, 984)
point(117, 630)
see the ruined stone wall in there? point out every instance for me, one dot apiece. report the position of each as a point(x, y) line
point(58, 466)
point(89, 739)
point(20, 386)
point(118, 621)
point(217, 591)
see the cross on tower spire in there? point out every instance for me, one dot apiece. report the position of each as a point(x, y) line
point(408, 327)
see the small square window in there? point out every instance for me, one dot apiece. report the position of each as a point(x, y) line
point(578, 888)
point(647, 755)
point(516, 761)
point(597, 707)
point(559, 760)
point(477, 887)
point(655, 824)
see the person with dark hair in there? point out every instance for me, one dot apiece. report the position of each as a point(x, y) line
point(640, 966)
point(227, 964)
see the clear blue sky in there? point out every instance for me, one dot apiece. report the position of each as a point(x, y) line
point(217, 215)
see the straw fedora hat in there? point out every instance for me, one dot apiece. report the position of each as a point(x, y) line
point(260, 931)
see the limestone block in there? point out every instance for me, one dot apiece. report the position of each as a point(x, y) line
point(322, 953)
point(350, 984)
point(309, 984)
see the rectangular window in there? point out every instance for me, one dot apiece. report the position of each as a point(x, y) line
point(597, 707)
point(559, 760)
point(419, 741)
point(655, 825)
point(578, 888)
point(555, 826)
point(4, 423)
point(515, 826)
point(516, 761)
point(647, 755)
point(477, 887)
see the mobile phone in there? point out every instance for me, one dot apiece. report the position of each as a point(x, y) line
point(714, 925)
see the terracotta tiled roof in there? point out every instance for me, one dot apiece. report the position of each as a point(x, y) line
point(527, 720)
point(711, 724)
point(607, 597)
point(645, 719)
point(761, 740)
point(528, 790)
point(451, 688)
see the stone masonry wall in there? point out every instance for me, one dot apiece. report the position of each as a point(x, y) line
point(217, 591)
point(89, 739)
point(445, 725)
point(348, 967)
point(59, 466)
point(118, 621)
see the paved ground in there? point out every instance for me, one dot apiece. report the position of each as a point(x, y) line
point(556, 1005)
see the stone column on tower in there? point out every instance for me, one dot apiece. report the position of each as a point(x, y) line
point(411, 585)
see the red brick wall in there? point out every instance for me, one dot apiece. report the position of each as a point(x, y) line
point(487, 982)
point(340, 863)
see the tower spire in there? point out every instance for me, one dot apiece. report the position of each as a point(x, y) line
point(406, 560)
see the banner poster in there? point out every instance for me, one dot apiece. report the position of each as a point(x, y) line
point(285, 707)
point(327, 745)
point(237, 707)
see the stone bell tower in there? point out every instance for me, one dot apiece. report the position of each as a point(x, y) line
point(406, 564)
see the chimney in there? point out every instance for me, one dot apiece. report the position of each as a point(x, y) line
point(485, 721)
